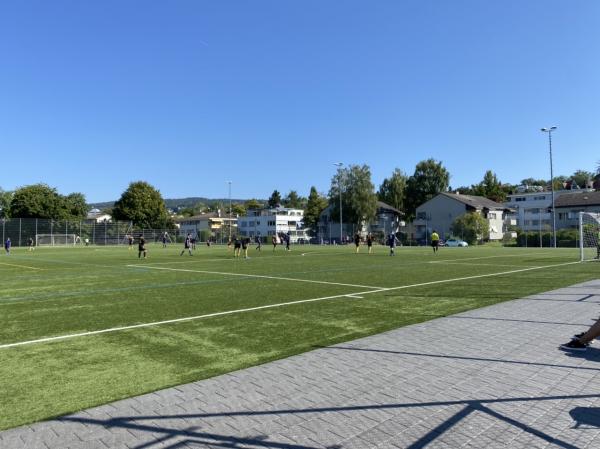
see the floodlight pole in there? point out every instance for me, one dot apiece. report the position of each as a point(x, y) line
point(339, 166)
point(549, 131)
point(229, 182)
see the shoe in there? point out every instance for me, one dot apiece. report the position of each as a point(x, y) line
point(574, 345)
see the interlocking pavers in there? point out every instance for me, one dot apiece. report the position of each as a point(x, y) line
point(430, 385)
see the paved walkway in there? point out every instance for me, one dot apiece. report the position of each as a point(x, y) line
point(487, 378)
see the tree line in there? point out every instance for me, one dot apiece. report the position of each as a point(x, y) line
point(143, 204)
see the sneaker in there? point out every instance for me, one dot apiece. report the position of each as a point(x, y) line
point(574, 345)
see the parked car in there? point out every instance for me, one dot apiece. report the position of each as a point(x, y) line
point(456, 242)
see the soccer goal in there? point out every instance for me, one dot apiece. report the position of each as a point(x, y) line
point(55, 239)
point(589, 235)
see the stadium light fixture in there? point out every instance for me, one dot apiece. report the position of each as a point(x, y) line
point(549, 131)
point(339, 165)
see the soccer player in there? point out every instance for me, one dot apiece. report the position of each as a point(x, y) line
point(245, 243)
point(237, 246)
point(370, 242)
point(7, 245)
point(435, 241)
point(30, 244)
point(164, 240)
point(187, 244)
point(129, 239)
point(287, 238)
point(357, 242)
point(258, 241)
point(392, 242)
point(580, 342)
point(275, 241)
point(142, 247)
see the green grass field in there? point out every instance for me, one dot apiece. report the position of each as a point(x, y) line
point(279, 304)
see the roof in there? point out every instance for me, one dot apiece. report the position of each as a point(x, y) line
point(578, 199)
point(477, 202)
point(200, 217)
point(385, 206)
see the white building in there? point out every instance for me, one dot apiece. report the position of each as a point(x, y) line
point(268, 222)
point(533, 211)
point(98, 216)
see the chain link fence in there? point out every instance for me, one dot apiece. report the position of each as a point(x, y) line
point(60, 232)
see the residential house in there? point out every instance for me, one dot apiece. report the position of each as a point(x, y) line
point(98, 216)
point(215, 222)
point(569, 206)
point(533, 211)
point(387, 220)
point(440, 212)
point(271, 221)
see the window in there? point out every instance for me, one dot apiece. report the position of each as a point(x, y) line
point(492, 216)
point(541, 197)
point(271, 223)
point(520, 198)
point(422, 215)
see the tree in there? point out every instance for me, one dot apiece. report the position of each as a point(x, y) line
point(293, 200)
point(238, 209)
point(142, 204)
point(75, 206)
point(253, 204)
point(471, 227)
point(5, 199)
point(314, 206)
point(429, 179)
point(392, 190)
point(37, 201)
point(534, 182)
point(359, 201)
point(490, 187)
point(274, 199)
point(581, 177)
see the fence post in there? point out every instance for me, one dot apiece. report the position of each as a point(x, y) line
point(20, 220)
point(104, 232)
point(94, 232)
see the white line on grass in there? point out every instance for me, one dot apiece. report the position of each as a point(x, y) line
point(271, 306)
point(260, 276)
point(20, 266)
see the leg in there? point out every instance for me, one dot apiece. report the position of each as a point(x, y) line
point(591, 333)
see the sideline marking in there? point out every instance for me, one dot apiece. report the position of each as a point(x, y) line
point(271, 306)
point(186, 270)
point(20, 266)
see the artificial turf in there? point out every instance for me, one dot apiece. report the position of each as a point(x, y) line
point(63, 291)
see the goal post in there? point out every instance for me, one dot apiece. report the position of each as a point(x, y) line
point(55, 239)
point(589, 236)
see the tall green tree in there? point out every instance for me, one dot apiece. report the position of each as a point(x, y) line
point(294, 201)
point(275, 199)
point(490, 187)
point(253, 204)
point(359, 201)
point(581, 177)
point(142, 204)
point(5, 199)
point(471, 227)
point(75, 205)
point(314, 206)
point(392, 190)
point(429, 179)
point(37, 201)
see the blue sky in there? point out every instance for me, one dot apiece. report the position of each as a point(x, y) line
point(269, 94)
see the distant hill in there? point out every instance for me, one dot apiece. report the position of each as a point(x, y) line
point(181, 203)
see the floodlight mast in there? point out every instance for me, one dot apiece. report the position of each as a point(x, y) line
point(339, 166)
point(229, 182)
point(549, 131)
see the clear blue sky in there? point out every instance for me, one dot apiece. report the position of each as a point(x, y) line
point(188, 94)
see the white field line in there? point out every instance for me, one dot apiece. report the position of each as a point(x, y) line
point(485, 257)
point(20, 266)
point(259, 256)
point(479, 264)
point(260, 276)
point(270, 306)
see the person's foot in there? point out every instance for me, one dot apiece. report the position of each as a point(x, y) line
point(574, 345)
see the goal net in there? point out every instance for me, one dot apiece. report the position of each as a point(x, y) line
point(589, 235)
point(55, 239)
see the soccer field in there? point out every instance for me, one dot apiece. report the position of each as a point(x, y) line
point(85, 326)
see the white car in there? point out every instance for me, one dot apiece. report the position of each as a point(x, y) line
point(456, 242)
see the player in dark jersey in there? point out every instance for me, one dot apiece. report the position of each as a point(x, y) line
point(130, 241)
point(237, 246)
point(187, 244)
point(142, 247)
point(357, 242)
point(245, 243)
point(370, 242)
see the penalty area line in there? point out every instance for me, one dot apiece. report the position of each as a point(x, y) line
point(259, 276)
point(270, 306)
point(20, 266)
